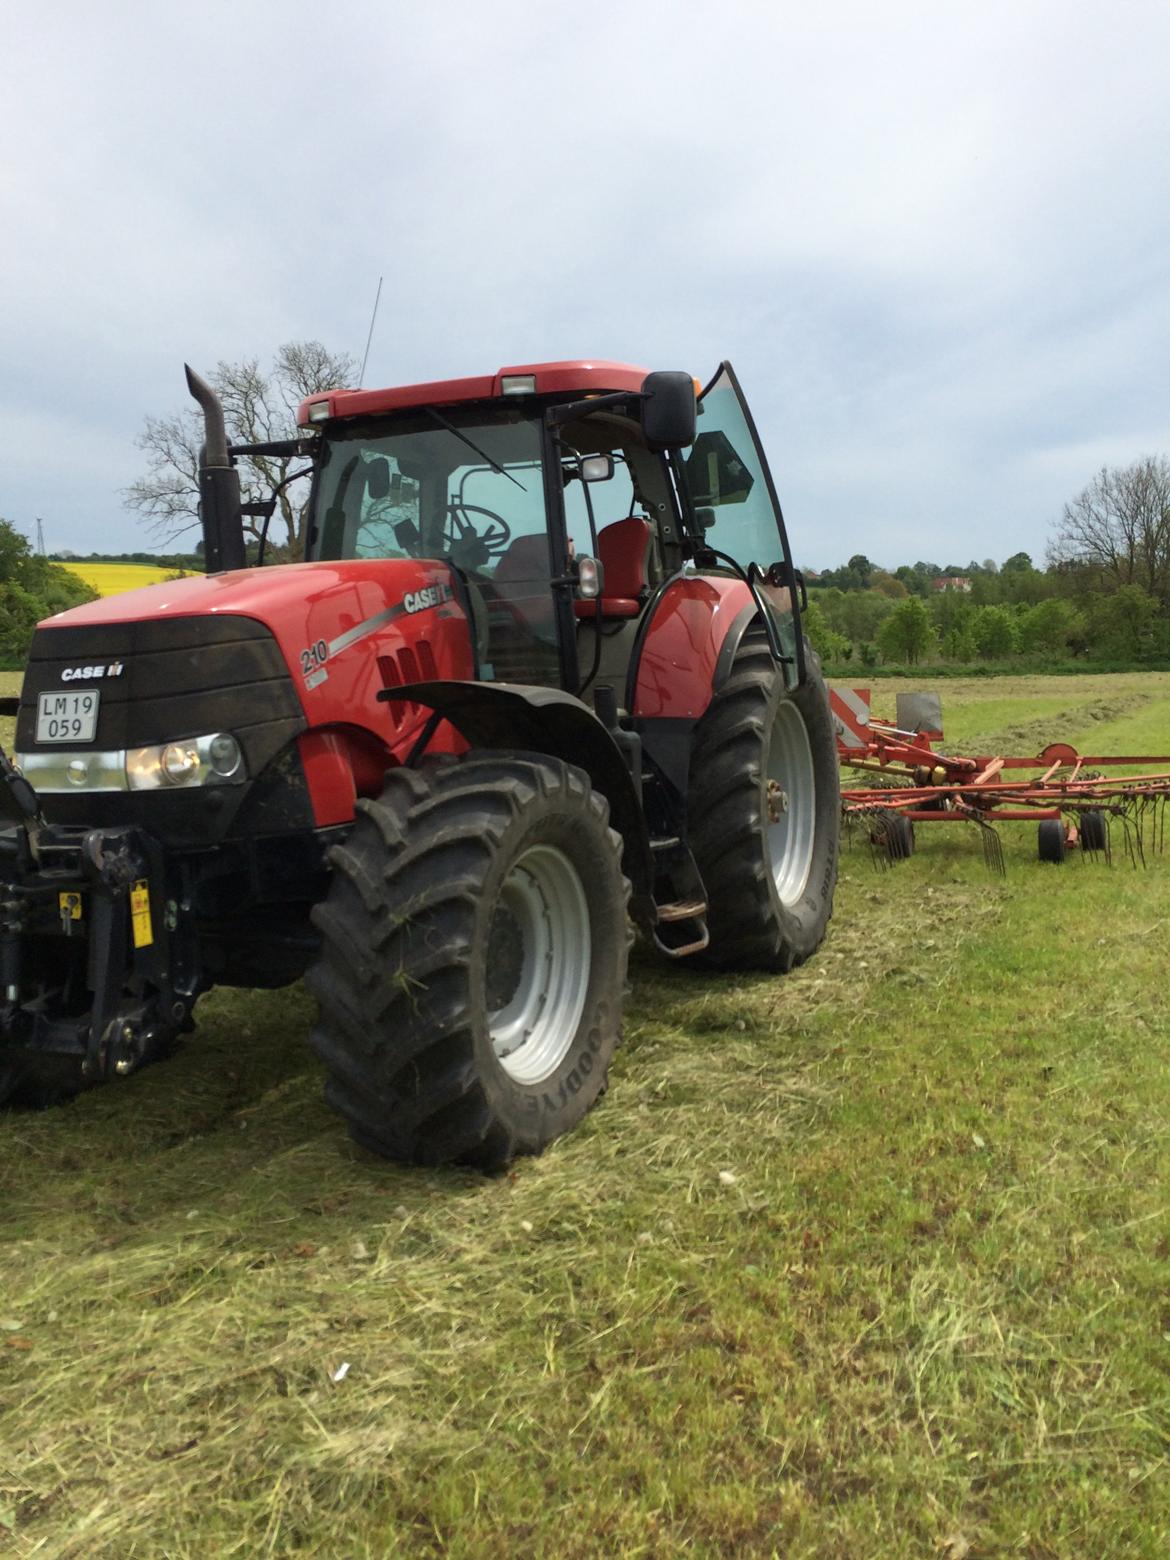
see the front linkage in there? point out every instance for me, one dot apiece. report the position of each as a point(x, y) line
point(93, 977)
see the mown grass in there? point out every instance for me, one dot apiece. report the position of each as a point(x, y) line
point(1023, 715)
point(870, 1261)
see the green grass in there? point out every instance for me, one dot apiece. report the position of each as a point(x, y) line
point(1028, 713)
point(870, 1261)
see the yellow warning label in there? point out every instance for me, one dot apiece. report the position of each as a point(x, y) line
point(140, 928)
point(70, 906)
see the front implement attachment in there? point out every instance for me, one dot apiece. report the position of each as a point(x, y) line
point(91, 968)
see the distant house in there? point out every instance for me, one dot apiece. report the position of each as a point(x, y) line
point(951, 582)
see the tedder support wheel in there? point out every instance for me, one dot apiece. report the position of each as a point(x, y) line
point(898, 838)
point(1051, 841)
point(473, 962)
point(764, 813)
point(1093, 832)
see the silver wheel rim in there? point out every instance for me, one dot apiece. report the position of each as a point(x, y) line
point(790, 804)
point(541, 924)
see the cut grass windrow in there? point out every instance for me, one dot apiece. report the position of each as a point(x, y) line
point(871, 1261)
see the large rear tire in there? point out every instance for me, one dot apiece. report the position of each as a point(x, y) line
point(764, 814)
point(473, 964)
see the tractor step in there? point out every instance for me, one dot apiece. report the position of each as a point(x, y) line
point(685, 917)
point(680, 900)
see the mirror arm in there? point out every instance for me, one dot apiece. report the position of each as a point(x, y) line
point(571, 410)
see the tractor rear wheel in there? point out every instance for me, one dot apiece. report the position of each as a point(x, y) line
point(473, 963)
point(764, 813)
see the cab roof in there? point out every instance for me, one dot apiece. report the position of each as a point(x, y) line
point(578, 378)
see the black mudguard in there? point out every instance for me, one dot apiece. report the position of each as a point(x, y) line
point(527, 718)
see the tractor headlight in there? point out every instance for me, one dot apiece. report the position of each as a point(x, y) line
point(211, 760)
point(215, 759)
point(223, 754)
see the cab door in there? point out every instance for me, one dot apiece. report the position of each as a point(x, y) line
point(735, 508)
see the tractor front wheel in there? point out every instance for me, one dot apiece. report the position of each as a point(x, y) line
point(764, 813)
point(473, 964)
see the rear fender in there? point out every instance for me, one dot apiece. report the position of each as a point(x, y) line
point(683, 656)
point(531, 719)
point(676, 663)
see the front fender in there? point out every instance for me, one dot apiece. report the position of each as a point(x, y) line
point(526, 718)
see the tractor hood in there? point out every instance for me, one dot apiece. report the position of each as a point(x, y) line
point(343, 630)
point(264, 594)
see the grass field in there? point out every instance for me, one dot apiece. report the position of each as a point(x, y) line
point(111, 579)
point(872, 1261)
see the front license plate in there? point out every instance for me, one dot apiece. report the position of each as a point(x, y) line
point(67, 717)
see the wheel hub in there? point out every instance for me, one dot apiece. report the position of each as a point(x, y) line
point(789, 804)
point(505, 959)
point(538, 960)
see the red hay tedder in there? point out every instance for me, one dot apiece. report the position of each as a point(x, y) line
point(1062, 791)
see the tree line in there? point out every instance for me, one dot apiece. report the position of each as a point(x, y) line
point(1102, 597)
point(31, 588)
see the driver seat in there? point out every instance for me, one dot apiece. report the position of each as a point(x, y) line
point(623, 550)
point(526, 558)
point(519, 594)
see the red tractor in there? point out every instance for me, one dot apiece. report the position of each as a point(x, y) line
point(540, 673)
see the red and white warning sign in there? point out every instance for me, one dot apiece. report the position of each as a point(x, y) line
point(850, 709)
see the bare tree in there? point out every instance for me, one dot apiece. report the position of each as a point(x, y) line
point(259, 408)
point(1119, 527)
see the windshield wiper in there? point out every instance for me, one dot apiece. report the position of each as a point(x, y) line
point(472, 445)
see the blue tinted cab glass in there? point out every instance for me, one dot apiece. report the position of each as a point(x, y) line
point(727, 480)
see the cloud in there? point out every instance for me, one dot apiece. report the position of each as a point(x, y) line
point(930, 238)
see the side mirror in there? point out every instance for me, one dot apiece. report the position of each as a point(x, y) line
point(596, 468)
point(668, 410)
point(378, 477)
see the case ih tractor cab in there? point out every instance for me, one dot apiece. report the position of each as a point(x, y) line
point(540, 672)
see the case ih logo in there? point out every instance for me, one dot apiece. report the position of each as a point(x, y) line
point(88, 673)
point(429, 596)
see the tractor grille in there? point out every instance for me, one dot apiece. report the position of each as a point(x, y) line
point(179, 677)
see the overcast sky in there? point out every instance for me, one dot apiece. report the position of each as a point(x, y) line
point(933, 239)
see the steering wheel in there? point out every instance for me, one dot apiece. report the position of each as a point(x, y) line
point(477, 544)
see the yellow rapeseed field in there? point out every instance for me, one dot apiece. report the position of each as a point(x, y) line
point(111, 579)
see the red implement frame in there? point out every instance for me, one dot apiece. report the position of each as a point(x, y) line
point(922, 785)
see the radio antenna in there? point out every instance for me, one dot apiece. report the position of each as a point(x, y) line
point(370, 337)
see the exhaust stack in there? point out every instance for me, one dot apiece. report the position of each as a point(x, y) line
point(219, 485)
